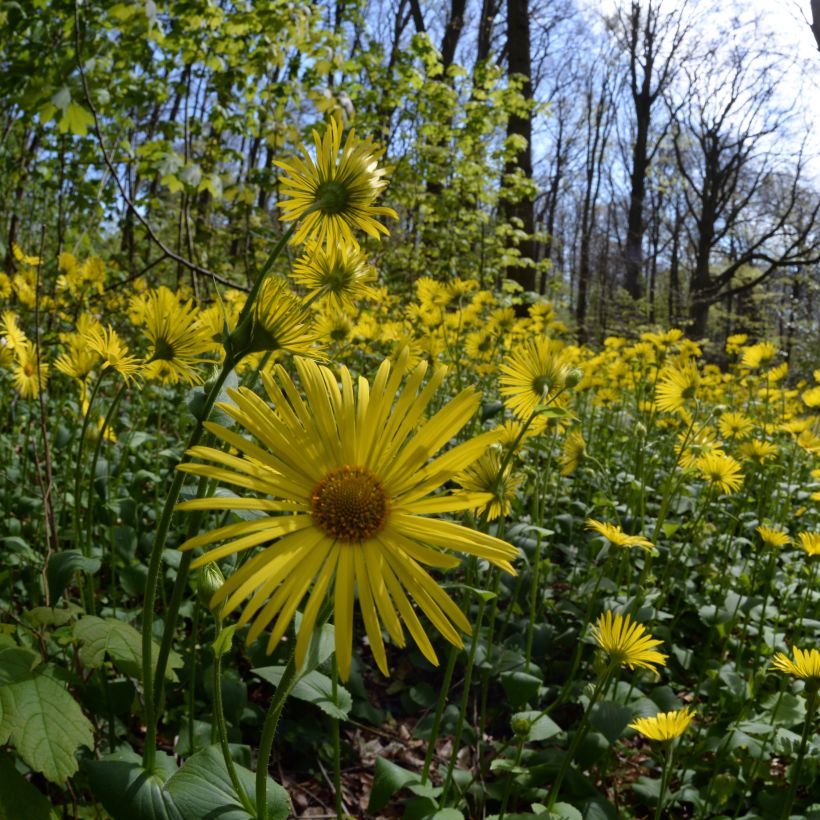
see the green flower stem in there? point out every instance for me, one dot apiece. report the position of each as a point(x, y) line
point(219, 718)
point(465, 695)
point(78, 471)
point(161, 535)
point(508, 785)
point(807, 593)
point(580, 733)
point(442, 701)
point(337, 745)
point(808, 725)
point(152, 579)
point(268, 733)
point(89, 518)
point(665, 773)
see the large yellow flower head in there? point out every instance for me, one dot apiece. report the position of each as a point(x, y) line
point(533, 375)
point(617, 536)
point(343, 481)
point(665, 725)
point(721, 471)
point(179, 343)
point(758, 355)
point(334, 194)
point(676, 386)
point(806, 664)
point(338, 273)
point(626, 642)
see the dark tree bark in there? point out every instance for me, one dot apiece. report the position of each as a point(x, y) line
point(747, 209)
point(452, 32)
point(652, 40)
point(521, 210)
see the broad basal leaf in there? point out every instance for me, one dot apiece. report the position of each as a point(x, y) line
point(46, 725)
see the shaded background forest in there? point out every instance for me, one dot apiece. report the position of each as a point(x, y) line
point(650, 165)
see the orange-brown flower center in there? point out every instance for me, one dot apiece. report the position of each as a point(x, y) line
point(350, 504)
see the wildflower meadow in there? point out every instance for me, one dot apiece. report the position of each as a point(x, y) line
point(329, 492)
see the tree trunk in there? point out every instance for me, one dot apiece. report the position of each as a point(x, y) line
point(520, 125)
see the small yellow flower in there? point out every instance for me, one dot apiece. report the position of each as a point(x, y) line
point(758, 355)
point(339, 273)
point(665, 725)
point(806, 664)
point(735, 425)
point(721, 471)
point(756, 450)
point(810, 541)
point(627, 642)
point(772, 537)
point(179, 343)
point(106, 343)
point(572, 453)
point(485, 476)
point(617, 536)
point(30, 373)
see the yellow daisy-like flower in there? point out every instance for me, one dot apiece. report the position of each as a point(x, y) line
point(627, 642)
point(677, 385)
point(339, 273)
point(617, 536)
point(344, 479)
point(14, 336)
point(735, 343)
point(811, 397)
point(533, 375)
point(278, 321)
point(572, 452)
point(21, 256)
point(333, 325)
point(735, 425)
point(30, 374)
point(806, 664)
point(334, 194)
point(772, 537)
point(810, 542)
point(756, 450)
point(758, 355)
point(665, 725)
point(720, 470)
point(179, 343)
point(106, 343)
point(485, 476)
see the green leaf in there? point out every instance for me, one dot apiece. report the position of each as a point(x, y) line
point(75, 119)
point(203, 788)
point(18, 798)
point(62, 566)
point(128, 792)
point(541, 726)
point(46, 725)
point(610, 719)
point(16, 662)
point(447, 814)
point(520, 687)
point(122, 643)
point(388, 778)
point(315, 688)
point(223, 641)
point(564, 811)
